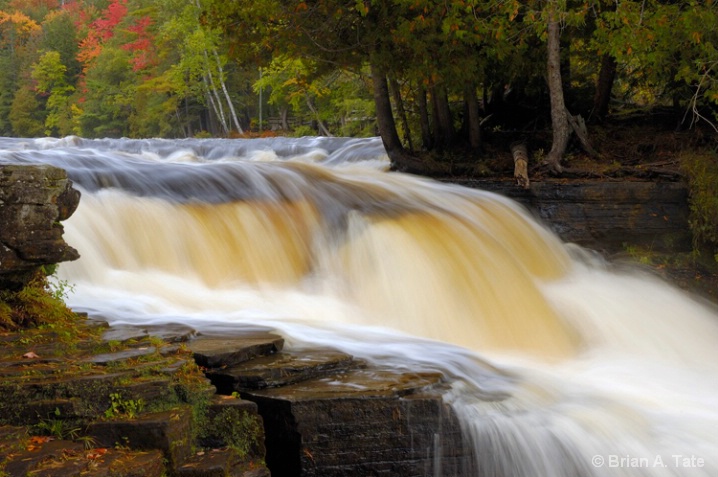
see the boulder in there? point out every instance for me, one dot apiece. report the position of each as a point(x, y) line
point(33, 201)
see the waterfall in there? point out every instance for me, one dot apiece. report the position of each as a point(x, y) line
point(560, 365)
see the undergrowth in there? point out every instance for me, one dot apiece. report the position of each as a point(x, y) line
point(39, 305)
point(702, 171)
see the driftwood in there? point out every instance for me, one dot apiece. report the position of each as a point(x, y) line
point(579, 127)
point(521, 161)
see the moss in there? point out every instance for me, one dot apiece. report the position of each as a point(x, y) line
point(40, 307)
point(702, 171)
point(12, 440)
point(234, 428)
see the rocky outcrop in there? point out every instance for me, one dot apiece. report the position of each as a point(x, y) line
point(132, 402)
point(33, 201)
point(127, 402)
point(605, 215)
point(326, 413)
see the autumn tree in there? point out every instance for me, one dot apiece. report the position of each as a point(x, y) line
point(51, 81)
point(18, 33)
point(25, 114)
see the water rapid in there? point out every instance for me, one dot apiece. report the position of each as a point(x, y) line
point(561, 366)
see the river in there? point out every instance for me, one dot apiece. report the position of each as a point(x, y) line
point(561, 365)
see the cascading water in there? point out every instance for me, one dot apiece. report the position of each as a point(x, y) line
point(561, 367)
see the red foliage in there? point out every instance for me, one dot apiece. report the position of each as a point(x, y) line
point(143, 53)
point(101, 30)
point(112, 16)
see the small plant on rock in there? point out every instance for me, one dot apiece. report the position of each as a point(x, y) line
point(124, 408)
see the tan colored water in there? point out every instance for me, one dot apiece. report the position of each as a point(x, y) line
point(563, 367)
point(468, 277)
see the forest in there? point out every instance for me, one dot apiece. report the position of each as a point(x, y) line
point(426, 75)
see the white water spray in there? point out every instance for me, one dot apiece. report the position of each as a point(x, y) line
point(562, 368)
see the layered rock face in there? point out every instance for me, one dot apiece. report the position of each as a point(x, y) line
point(329, 414)
point(606, 216)
point(33, 200)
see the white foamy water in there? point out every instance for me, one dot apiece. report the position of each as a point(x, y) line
point(562, 368)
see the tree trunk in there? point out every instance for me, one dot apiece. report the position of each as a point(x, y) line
point(604, 85)
point(216, 105)
point(399, 103)
point(559, 120)
point(233, 113)
point(473, 116)
point(320, 124)
point(444, 125)
point(284, 115)
point(521, 161)
point(385, 116)
point(426, 138)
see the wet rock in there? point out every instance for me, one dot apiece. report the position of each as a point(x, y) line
point(46, 457)
point(48, 410)
point(126, 464)
point(221, 463)
point(214, 352)
point(317, 412)
point(33, 199)
point(606, 215)
point(365, 422)
point(171, 333)
point(120, 356)
point(280, 369)
point(168, 431)
point(37, 457)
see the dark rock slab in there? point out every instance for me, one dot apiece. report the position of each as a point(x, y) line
point(215, 352)
point(221, 463)
point(170, 332)
point(280, 369)
point(69, 459)
point(215, 463)
point(46, 410)
point(254, 469)
point(12, 440)
point(235, 423)
point(606, 215)
point(121, 356)
point(42, 455)
point(37, 367)
point(168, 431)
point(149, 390)
point(364, 422)
point(91, 389)
point(125, 464)
point(366, 383)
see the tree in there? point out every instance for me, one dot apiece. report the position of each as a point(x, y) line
point(109, 94)
point(17, 33)
point(200, 62)
point(49, 73)
point(559, 120)
point(24, 114)
point(59, 33)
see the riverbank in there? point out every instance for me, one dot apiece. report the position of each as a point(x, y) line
point(164, 401)
point(107, 403)
point(323, 408)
